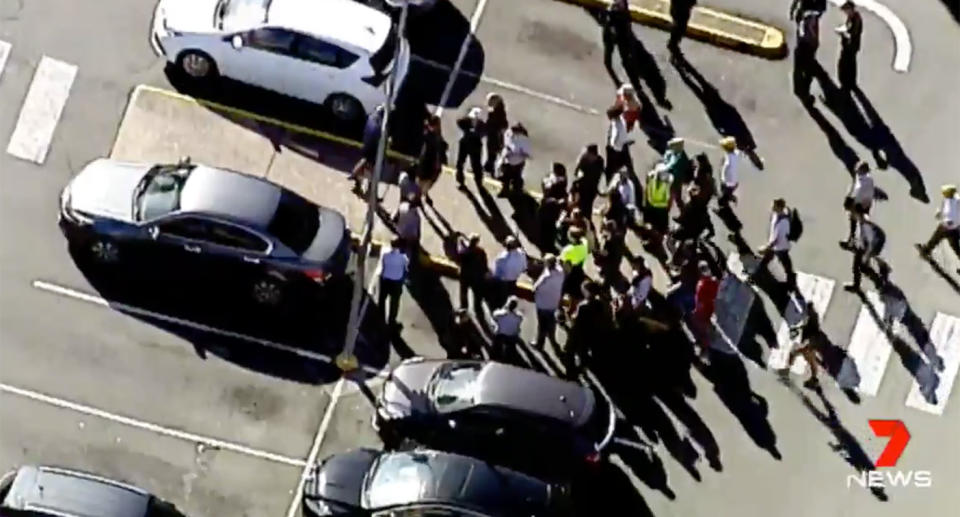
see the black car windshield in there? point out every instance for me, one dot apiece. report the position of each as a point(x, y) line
point(159, 191)
point(397, 479)
point(382, 59)
point(240, 13)
point(454, 387)
point(296, 222)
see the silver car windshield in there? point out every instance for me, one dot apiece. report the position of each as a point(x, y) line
point(454, 386)
point(241, 13)
point(159, 192)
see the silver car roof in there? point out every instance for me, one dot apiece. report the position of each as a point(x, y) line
point(232, 194)
point(67, 492)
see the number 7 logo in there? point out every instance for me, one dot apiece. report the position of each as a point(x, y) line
point(899, 437)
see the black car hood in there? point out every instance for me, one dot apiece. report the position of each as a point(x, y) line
point(404, 393)
point(330, 236)
point(340, 477)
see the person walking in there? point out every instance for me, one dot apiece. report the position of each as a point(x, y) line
point(680, 11)
point(641, 282)
point(496, 125)
point(610, 252)
point(694, 217)
point(573, 256)
point(513, 159)
point(859, 197)
point(798, 7)
point(617, 34)
point(704, 304)
point(473, 271)
point(850, 33)
point(394, 266)
point(809, 335)
point(805, 55)
point(658, 199)
point(729, 173)
point(948, 226)
point(554, 188)
point(623, 199)
point(590, 322)
point(507, 321)
point(547, 294)
point(368, 151)
point(866, 249)
point(507, 268)
point(408, 187)
point(432, 158)
point(629, 102)
point(589, 168)
point(554, 185)
point(618, 144)
point(472, 128)
point(408, 225)
point(680, 166)
point(778, 243)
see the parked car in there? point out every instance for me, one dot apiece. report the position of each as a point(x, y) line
point(220, 224)
point(422, 482)
point(338, 53)
point(57, 492)
point(513, 416)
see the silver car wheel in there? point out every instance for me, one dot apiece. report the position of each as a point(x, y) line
point(196, 65)
point(105, 252)
point(267, 292)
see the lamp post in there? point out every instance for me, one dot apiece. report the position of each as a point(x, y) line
point(346, 360)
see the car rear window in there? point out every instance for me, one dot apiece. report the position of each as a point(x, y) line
point(296, 222)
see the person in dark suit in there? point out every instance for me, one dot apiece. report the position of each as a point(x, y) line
point(850, 33)
point(680, 11)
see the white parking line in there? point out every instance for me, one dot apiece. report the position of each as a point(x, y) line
point(41, 110)
point(4, 54)
point(903, 47)
point(945, 339)
point(869, 349)
point(812, 288)
point(474, 23)
point(315, 449)
point(148, 426)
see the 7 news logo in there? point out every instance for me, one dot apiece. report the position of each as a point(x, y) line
point(899, 438)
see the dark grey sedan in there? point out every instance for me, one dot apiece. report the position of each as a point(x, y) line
point(185, 217)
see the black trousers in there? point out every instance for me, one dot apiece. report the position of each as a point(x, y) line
point(546, 327)
point(503, 347)
point(616, 160)
point(467, 285)
point(512, 178)
point(391, 289)
point(847, 69)
point(471, 152)
point(681, 17)
point(494, 144)
point(726, 196)
point(784, 258)
point(804, 63)
point(941, 233)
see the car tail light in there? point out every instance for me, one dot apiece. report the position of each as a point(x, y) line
point(593, 458)
point(317, 275)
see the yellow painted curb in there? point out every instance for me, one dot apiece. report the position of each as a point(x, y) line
point(771, 45)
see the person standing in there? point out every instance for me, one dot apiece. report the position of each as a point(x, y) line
point(679, 165)
point(618, 144)
point(473, 271)
point(368, 151)
point(408, 225)
point(629, 102)
point(408, 187)
point(554, 188)
point(694, 217)
point(507, 321)
point(704, 302)
point(554, 185)
point(513, 159)
point(623, 195)
point(507, 268)
point(610, 253)
point(805, 55)
point(867, 248)
point(640, 284)
point(573, 256)
point(590, 322)
point(617, 34)
point(394, 266)
point(547, 294)
point(496, 126)
point(778, 243)
point(433, 156)
point(859, 197)
point(588, 171)
point(850, 33)
point(472, 128)
point(680, 11)
point(729, 173)
point(948, 226)
point(658, 200)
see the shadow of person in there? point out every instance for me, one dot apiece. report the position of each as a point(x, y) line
point(725, 117)
point(837, 144)
point(610, 491)
point(647, 466)
point(953, 6)
point(846, 444)
point(641, 65)
point(938, 269)
point(526, 213)
point(486, 207)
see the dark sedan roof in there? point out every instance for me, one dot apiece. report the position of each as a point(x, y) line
point(430, 476)
point(534, 393)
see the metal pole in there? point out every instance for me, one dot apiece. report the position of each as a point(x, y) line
point(347, 361)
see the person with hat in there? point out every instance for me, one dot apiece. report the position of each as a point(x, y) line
point(729, 172)
point(472, 128)
point(496, 125)
point(507, 321)
point(547, 294)
point(473, 271)
point(507, 268)
point(850, 33)
point(573, 256)
point(859, 197)
point(948, 225)
point(658, 198)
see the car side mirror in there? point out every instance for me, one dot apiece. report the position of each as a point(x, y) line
point(237, 42)
point(154, 232)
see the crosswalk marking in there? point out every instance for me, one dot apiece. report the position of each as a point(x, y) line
point(811, 288)
point(4, 54)
point(41, 110)
point(733, 304)
point(945, 338)
point(869, 348)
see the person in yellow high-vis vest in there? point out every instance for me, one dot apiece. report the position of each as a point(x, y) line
point(657, 200)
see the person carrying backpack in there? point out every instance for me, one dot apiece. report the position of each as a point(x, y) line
point(867, 247)
point(785, 227)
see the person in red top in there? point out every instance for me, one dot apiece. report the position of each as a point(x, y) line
point(628, 100)
point(704, 304)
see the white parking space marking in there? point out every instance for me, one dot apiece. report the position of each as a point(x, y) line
point(474, 23)
point(41, 110)
point(4, 54)
point(122, 307)
point(812, 288)
point(869, 349)
point(294, 508)
point(945, 338)
point(148, 426)
point(903, 47)
point(734, 302)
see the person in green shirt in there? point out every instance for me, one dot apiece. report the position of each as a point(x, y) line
point(679, 165)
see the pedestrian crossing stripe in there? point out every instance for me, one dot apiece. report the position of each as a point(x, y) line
point(937, 378)
point(732, 308)
point(41, 110)
point(4, 54)
point(810, 288)
point(869, 349)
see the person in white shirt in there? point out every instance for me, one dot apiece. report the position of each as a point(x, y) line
point(507, 321)
point(394, 265)
point(866, 248)
point(861, 195)
point(547, 293)
point(513, 158)
point(618, 144)
point(948, 226)
point(729, 172)
point(640, 285)
point(778, 244)
point(507, 268)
